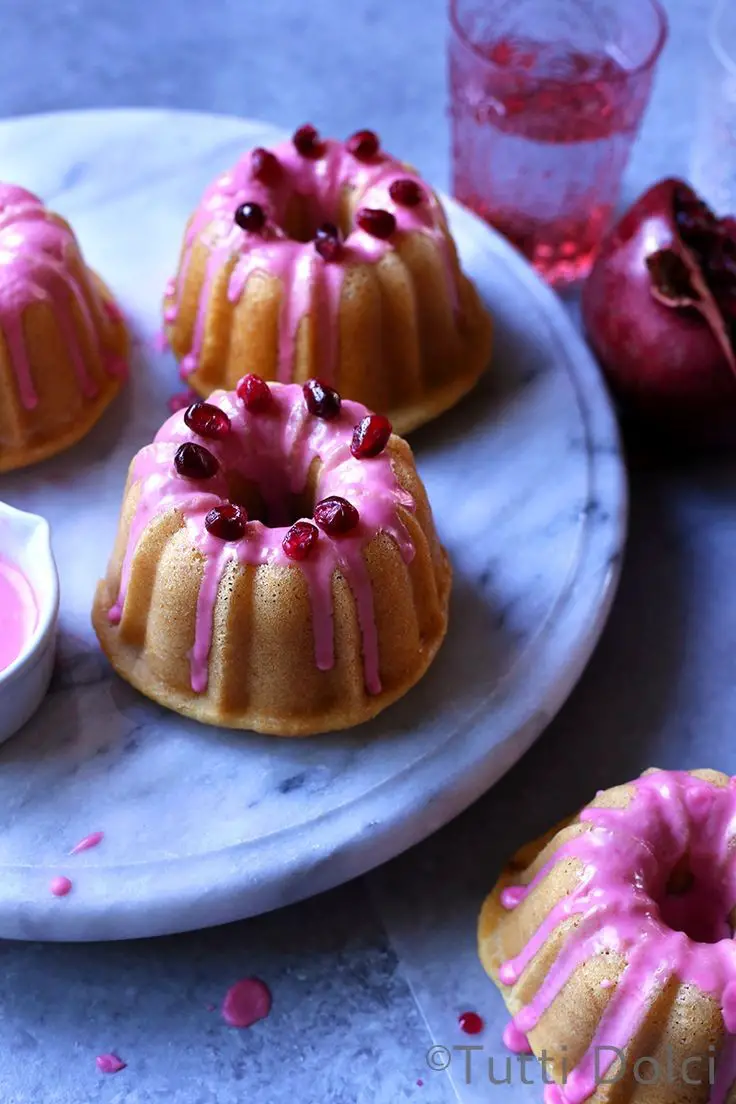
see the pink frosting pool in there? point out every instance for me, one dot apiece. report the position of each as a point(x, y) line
point(18, 612)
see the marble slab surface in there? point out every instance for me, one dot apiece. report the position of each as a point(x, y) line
point(201, 825)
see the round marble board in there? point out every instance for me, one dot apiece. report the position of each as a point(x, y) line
point(203, 825)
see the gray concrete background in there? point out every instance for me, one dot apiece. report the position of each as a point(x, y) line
point(362, 977)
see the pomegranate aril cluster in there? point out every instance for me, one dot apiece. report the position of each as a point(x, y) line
point(336, 516)
point(195, 462)
point(370, 436)
point(255, 394)
point(207, 420)
point(300, 540)
point(227, 522)
point(322, 401)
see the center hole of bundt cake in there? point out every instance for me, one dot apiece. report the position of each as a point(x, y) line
point(270, 501)
point(306, 214)
point(695, 902)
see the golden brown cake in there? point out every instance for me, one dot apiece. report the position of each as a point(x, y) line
point(63, 343)
point(328, 259)
point(277, 566)
point(611, 941)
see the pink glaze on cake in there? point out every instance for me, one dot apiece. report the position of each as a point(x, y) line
point(627, 857)
point(61, 886)
point(310, 284)
point(18, 612)
point(246, 1002)
point(515, 1040)
point(93, 840)
point(275, 451)
point(36, 253)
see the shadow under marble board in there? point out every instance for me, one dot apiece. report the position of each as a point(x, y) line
point(204, 826)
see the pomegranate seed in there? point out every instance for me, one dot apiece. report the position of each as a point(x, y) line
point(378, 223)
point(227, 522)
point(299, 541)
point(265, 166)
point(195, 462)
point(322, 401)
point(336, 516)
point(307, 141)
point(364, 145)
point(327, 242)
point(207, 420)
point(370, 436)
point(255, 393)
point(250, 217)
point(471, 1023)
point(406, 192)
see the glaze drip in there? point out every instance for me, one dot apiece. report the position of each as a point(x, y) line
point(624, 903)
point(325, 187)
point(275, 452)
point(37, 255)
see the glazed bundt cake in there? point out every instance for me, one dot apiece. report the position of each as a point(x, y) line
point(330, 259)
point(611, 941)
point(63, 344)
point(277, 566)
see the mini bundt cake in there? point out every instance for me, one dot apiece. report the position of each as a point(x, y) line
point(611, 941)
point(277, 566)
point(330, 259)
point(63, 343)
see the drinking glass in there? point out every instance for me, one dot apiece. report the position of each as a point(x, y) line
point(714, 150)
point(546, 97)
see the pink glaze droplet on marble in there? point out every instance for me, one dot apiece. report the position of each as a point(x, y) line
point(248, 1001)
point(61, 886)
point(109, 1063)
point(18, 612)
point(93, 840)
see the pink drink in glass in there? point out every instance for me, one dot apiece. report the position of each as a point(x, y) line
point(546, 100)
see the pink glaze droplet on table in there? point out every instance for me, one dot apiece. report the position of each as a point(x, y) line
point(88, 842)
point(18, 612)
point(61, 886)
point(248, 1001)
point(109, 1063)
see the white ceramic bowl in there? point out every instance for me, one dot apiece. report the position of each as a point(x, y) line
point(25, 540)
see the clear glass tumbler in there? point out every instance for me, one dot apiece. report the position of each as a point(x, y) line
point(546, 97)
point(714, 150)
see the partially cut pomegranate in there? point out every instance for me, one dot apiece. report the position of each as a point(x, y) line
point(659, 309)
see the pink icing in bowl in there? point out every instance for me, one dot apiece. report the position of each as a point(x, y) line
point(29, 601)
point(18, 612)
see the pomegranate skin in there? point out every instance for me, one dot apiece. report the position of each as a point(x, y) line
point(664, 365)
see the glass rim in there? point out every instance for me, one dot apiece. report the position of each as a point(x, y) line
point(625, 74)
point(714, 37)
